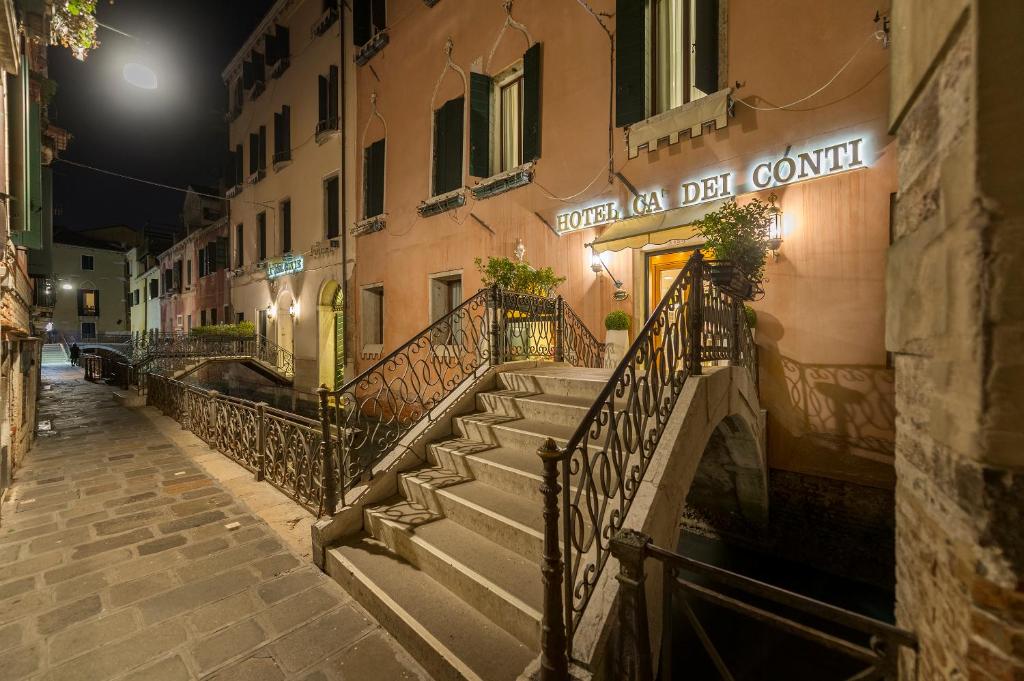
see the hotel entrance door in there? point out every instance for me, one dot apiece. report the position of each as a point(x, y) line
point(662, 270)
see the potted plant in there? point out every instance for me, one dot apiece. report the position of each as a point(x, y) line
point(616, 337)
point(737, 235)
point(518, 276)
point(530, 327)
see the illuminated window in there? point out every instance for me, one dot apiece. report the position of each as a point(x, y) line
point(509, 94)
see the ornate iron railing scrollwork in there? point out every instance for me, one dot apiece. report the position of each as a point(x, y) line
point(608, 455)
point(368, 416)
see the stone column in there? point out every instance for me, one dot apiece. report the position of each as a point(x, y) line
point(955, 322)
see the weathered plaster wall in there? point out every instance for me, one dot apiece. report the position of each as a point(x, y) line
point(955, 322)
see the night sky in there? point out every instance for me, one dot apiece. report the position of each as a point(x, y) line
point(174, 135)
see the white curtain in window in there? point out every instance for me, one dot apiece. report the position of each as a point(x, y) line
point(670, 56)
point(511, 125)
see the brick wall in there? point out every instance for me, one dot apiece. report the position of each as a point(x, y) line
point(955, 320)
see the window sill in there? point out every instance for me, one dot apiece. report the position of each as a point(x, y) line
point(326, 129)
point(372, 351)
point(232, 115)
point(442, 203)
point(369, 225)
point(282, 163)
point(279, 68)
point(257, 90)
point(256, 177)
point(372, 47)
point(325, 21)
point(232, 192)
point(692, 117)
point(504, 182)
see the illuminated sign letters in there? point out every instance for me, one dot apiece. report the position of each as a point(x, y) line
point(815, 162)
point(279, 268)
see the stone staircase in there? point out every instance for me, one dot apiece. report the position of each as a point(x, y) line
point(53, 354)
point(451, 566)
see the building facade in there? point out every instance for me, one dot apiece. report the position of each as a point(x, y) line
point(288, 209)
point(144, 290)
point(484, 130)
point(194, 280)
point(91, 281)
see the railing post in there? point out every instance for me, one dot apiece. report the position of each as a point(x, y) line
point(737, 328)
point(327, 473)
point(211, 419)
point(494, 338)
point(696, 305)
point(261, 441)
point(554, 662)
point(631, 657)
point(559, 329)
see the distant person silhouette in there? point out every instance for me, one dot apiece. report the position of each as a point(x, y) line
point(75, 353)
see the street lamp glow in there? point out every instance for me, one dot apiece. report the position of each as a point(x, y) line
point(66, 287)
point(140, 76)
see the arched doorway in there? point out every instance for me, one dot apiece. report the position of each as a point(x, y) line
point(331, 325)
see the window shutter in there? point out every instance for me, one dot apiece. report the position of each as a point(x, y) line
point(96, 301)
point(705, 51)
point(254, 153)
point(286, 227)
point(379, 19)
point(480, 87)
point(331, 200)
point(239, 164)
point(248, 75)
point(286, 128)
point(373, 179)
point(263, 147)
point(361, 22)
point(282, 43)
point(448, 144)
point(531, 103)
point(270, 47)
point(322, 98)
point(258, 67)
point(630, 61)
point(332, 95)
point(222, 252)
point(277, 133)
point(81, 302)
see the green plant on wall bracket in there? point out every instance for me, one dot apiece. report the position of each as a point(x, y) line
point(517, 276)
point(739, 234)
point(751, 315)
point(617, 320)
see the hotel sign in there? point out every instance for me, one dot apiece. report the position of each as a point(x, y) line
point(806, 165)
point(279, 268)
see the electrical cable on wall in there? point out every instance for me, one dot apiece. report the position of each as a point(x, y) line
point(877, 35)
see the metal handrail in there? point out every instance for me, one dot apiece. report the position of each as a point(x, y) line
point(631, 650)
point(610, 450)
point(367, 417)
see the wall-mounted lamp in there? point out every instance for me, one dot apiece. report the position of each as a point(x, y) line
point(270, 311)
point(293, 309)
point(597, 264)
point(774, 227)
point(66, 287)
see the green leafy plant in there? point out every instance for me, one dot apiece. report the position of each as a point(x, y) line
point(73, 25)
point(617, 320)
point(751, 315)
point(739, 234)
point(239, 330)
point(518, 276)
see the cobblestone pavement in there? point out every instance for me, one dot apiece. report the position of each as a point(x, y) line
point(118, 561)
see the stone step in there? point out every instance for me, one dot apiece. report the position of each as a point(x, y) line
point(502, 431)
point(509, 520)
point(564, 381)
point(449, 638)
point(502, 585)
point(556, 409)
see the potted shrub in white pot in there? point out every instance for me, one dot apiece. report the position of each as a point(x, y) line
point(616, 337)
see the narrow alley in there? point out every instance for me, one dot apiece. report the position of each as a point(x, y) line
point(128, 550)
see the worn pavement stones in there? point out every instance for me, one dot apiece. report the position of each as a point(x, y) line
point(116, 563)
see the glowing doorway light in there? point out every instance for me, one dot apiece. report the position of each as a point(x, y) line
point(140, 76)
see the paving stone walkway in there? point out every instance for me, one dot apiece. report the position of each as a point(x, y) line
point(122, 558)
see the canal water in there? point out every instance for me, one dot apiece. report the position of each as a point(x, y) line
point(236, 380)
point(755, 651)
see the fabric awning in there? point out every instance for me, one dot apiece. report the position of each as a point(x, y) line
point(657, 228)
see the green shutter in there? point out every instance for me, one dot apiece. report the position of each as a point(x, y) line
point(531, 103)
point(448, 146)
point(321, 98)
point(362, 29)
point(254, 153)
point(630, 61)
point(480, 86)
point(439, 147)
point(705, 51)
point(373, 179)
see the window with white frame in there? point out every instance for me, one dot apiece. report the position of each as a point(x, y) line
point(508, 105)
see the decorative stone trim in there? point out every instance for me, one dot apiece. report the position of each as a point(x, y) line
point(372, 47)
point(280, 67)
point(442, 203)
point(692, 116)
point(232, 192)
point(369, 225)
point(503, 182)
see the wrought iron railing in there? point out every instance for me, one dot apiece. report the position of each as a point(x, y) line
point(282, 448)
point(863, 640)
point(166, 351)
point(368, 416)
point(607, 456)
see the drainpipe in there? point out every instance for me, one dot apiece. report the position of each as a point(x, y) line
point(342, 207)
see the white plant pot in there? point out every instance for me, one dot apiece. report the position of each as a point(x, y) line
point(616, 344)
